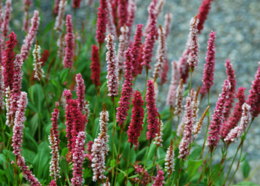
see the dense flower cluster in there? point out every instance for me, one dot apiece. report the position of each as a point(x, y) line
point(54, 119)
point(179, 100)
point(37, 65)
point(95, 66)
point(193, 58)
point(59, 19)
point(163, 75)
point(187, 136)
point(209, 66)
point(161, 53)
point(101, 21)
point(45, 56)
point(253, 98)
point(236, 132)
point(150, 39)
point(7, 17)
point(112, 67)
point(76, 3)
point(159, 179)
point(54, 164)
point(122, 12)
point(232, 79)
point(28, 41)
point(103, 122)
point(80, 91)
point(167, 23)
point(217, 118)
point(174, 84)
point(8, 61)
point(152, 112)
point(27, 4)
point(158, 139)
point(111, 27)
point(141, 172)
point(135, 49)
point(131, 15)
point(127, 90)
point(203, 13)
point(184, 65)
point(236, 115)
point(197, 126)
point(69, 39)
point(78, 159)
point(56, 7)
point(135, 126)
point(123, 41)
point(169, 159)
point(2, 89)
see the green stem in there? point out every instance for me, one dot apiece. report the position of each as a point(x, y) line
point(145, 86)
point(202, 171)
point(205, 138)
point(233, 162)
point(113, 153)
point(118, 154)
point(128, 160)
point(153, 163)
point(238, 163)
point(3, 133)
point(210, 164)
point(144, 164)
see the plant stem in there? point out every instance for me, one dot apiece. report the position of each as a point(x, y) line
point(253, 173)
point(114, 129)
point(153, 163)
point(205, 138)
point(233, 162)
point(45, 97)
point(210, 161)
point(128, 160)
point(3, 133)
point(145, 86)
point(144, 164)
point(118, 154)
point(238, 163)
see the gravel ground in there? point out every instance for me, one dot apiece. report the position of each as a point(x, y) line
point(236, 24)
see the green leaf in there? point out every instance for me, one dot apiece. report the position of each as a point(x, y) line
point(123, 172)
point(152, 151)
point(41, 159)
point(126, 151)
point(48, 27)
point(29, 142)
point(2, 159)
point(38, 96)
point(113, 163)
point(193, 166)
point(160, 153)
point(129, 183)
point(243, 158)
point(194, 154)
point(215, 171)
point(96, 128)
point(246, 183)
point(64, 167)
point(245, 168)
point(64, 74)
point(28, 155)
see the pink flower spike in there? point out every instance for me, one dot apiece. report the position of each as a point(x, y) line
point(69, 38)
point(135, 49)
point(7, 17)
point(17, 140)
point(26, 22)
point(103, 122)
point(78, 159)
point(131, 16)
point(193, 59)
point(127, 90)
point(253, 98)
point(161, 53)
point(187, 133)
point(159, 179)
point(2, 89)
point(167, 23)
point(59, 19)
point(179, 100)
point(174, 84)
point(80, 91)
point(152, 112)
point(203, 12)
point(163, 75)
point(52, 183)
point(236, 115)
point(111, 27)
point(76, 4)
point(28, 41)
point(209, 66)
point(56, 7)
point(147, 53)
point(54, 119)
point(123, 40)
point(184, 65)
point(122, 12)
point(101, 21)
point(169, 159)
point(135, 127)
point(232, 79)
point(112, 67)
point(235, 133)
point(217, 118)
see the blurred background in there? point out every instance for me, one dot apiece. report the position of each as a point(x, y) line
point(237, 28)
